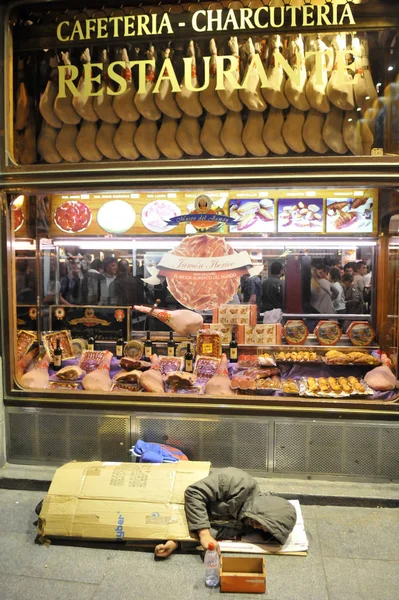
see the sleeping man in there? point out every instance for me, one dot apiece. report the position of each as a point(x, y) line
point(228, 505)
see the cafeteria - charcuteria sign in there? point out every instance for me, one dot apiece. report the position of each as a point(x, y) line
point(270, 18)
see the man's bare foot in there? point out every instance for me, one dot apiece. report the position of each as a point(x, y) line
point(164, 550)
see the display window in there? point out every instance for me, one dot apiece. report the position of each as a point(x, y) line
point(204, 82)
point(132, 294)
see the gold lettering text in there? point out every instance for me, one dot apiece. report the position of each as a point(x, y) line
point(167, 72)
point(142, 65)
point(230, 20)
point(322, 12)
point(293, 10)
point(89, 79)
point(63, 82)
point(257, 14)
point(222, 73)
point(102, 28)
point(142, 22)
point(307, 15)
point(347, 15)
point(90, 27)
point(128, 22)
point(121, 81)
point(256, 63)
point(245, 18)
point(115, 21)
point(194, 20)
point(165, 23)
point(59, 32)
point(77, 30)
point(188, 62)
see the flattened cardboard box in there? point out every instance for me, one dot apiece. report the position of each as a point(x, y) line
point(127, 501)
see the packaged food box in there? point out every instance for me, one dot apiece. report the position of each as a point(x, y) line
point(263, 334)
point(25, 340)
point(208, 343)
point(360, 333)
point(295, 331)
point(235, 314)
point(226, 332)
point(328, 333)
point(243, 574)
point(50, 343)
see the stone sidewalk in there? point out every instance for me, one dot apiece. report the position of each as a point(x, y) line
point(353, 555)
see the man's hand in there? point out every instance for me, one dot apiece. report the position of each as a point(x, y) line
point(164, 550)
point(206, 538)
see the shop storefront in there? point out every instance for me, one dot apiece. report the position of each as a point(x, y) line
point(182, 189)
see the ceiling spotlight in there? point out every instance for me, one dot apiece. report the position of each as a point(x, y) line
point(390, 68)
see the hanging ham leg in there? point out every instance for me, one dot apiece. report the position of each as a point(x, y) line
point(188, 100)
point(229, 95)
point(292, 130)
point(29, 156)
point(210, 136)
point(367, 99)
point(86, 141)
point(46, 104)
point(272, 132)
point(219, 384)
point(332, 131)
point(313, 132)
point(145, 102)
point(105, 141)
point(38, 377)
point(166, 139)
point(22, 105)
point(66, 143)
point(99, 379)
point(102, 103)
point(295, 89)
point(316, 92)
point(151, 380)
point(350, 133)
point(209, 97)
point(183, 322)
point(252, 134)
point(251, 95)
point(340, 84)
point(231, 134)
point(124, 140)
point(145, 139)
point(46, 144)
point(188, 136)
point(366, 136)
point(83, 104)
point(274, 93)
point(24, 362)
point(123, 104)
point(165, 99)
point(63, 107)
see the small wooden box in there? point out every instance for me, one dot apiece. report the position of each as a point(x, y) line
point(243, 574)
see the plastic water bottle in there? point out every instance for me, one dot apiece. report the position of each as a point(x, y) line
point(212, 566)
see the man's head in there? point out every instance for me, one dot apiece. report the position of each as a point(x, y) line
point(271, 514)
point(110, 265)
point(347, 279)
point(360, 268)
point(323, 271)
point(335, 274)
point(276, 269)
point(123, 266)
point(348, 268)
point(97, 265)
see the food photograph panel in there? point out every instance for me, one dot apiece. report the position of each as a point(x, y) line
point(350, 215)
point(252, 215)
point(300, 215)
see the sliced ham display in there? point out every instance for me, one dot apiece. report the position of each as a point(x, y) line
point(188, 99)
point(46, 104)
point(229, 95)
point(316, 91)
point(152, 380)
point(123, 104)
point(38, 377)
point(102, 103)
point(145, 101)
point(210, 135)
point(99, 379)
point(86, 141)
point(274, 92)
point(219, 384)
point(180, 380)
point(46, 144)
point(105, 141)
point(70, 373)
point(124, 140)
point(292, 130)
point(83, 104)
point(313, 131)
point(231, 134)
point(295, 87)
point(209, 97)
point(183, 322)
point(145, 139)
point(188, 136)
point(332, 131)
point(165, 98)
point(66, 143)
point(272, 132)
point(63, 107)
point(381, 379)
point(166, 139)
point(252, 134)
point(250, 95)
point(340, 84)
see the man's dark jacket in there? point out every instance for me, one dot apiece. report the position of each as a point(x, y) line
point(225, 498)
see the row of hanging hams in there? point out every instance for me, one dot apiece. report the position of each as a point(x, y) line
point(317, 108)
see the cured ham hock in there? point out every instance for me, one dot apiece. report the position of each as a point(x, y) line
point(184, 322)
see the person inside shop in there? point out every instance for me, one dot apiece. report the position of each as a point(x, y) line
point(353, 299)
point(107, 288)
point(91, 282)
point(360, 270)
point(273, 288)
point(349, 268)
point(228, 505)
point(71, 281)
point(24, 282)
point(254, 290)
point(322, 293)
point(339, 302)
point(125, 286)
